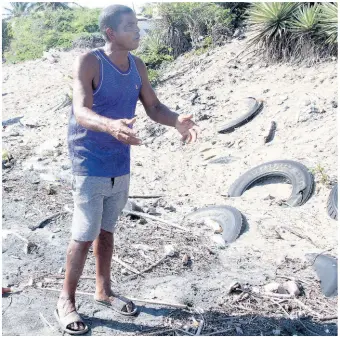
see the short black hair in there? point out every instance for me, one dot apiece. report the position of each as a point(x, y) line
point(110, 17)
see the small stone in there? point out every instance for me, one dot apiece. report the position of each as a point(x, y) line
point(292, 288)
point(276, 332)
point(39, 284)
point(52, 237)
point(169, 250)
point(61, 270)
point(266, 91)
point(334, 104)
point(218, 239)
point(142, 221)
point(124, 272)
point(185, 259)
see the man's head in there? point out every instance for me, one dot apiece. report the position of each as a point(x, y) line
point(118, 25)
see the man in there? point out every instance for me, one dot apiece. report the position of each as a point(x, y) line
point(107, 84)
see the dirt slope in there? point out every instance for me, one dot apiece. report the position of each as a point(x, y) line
point(214, 87)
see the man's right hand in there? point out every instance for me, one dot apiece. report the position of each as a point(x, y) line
point(120, 130)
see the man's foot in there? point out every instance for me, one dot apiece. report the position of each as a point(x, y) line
point(116, 302)
point(65, 306)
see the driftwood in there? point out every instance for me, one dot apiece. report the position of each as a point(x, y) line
point(127, 266)
point(137, 300)
point(144, 215)
point(146, 196)
point(271, 133)
point(41, 224)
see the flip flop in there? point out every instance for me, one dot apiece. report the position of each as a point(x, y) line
point(72, 317)
point(118, 304)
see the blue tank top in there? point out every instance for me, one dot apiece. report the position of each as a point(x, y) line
point(96, 153)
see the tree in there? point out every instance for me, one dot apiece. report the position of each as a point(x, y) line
point(18, 9)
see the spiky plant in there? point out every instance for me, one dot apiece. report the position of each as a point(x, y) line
point(304, 28)
point(328, 23)
point(270, 23)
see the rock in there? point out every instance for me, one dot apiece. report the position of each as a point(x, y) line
point(334, 104)
point(185, 259)
point(266, 91)
point(276, 332)
point(66, 166)
point(124, 272)
point(193, 98)
point(218, 239)
point(292, 288)
point(169, 250)
point(48, 148)
point(271, 287)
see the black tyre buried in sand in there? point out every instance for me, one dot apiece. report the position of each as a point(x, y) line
point(298, 175)
point(229, 218)
point(231, 126)
point(326, 268)
point(332, 204)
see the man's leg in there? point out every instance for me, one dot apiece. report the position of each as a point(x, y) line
point(88, 194)
point(103, 245)
point(75, 261)
point(103, 250)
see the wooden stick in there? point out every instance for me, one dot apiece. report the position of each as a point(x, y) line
point(154, 265)
point(127, 266)
point(40, 224)
point(298, 235)
point(138, 300)
point(146, 196)
point(273, 295)
point(45, 321)
point(199, 330)
point(144, 215)
point(219, 332)
point(328, 318)
point(185, 332)
point(306, 307)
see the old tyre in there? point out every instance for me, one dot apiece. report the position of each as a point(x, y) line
point(229, 218)
point(301, 179)
point(326, 268)
point(229, 127)
point(332, 204)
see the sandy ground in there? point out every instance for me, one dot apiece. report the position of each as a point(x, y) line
point(303, 103)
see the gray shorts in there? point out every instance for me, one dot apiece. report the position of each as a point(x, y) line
point(98, 202)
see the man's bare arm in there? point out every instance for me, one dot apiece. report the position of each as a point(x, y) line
point(84, 73)
point(156, 110)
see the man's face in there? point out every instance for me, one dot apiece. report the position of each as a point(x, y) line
point(127, 33)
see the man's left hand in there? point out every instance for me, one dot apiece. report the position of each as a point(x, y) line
point(187, 128)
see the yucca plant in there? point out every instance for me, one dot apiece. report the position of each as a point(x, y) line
point(271, 24)
point(328, 23)
point(304, 28)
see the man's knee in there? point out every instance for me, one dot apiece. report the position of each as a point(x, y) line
point(79, 246)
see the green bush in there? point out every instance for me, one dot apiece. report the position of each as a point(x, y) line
point(6, 35)
point(42, 30)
